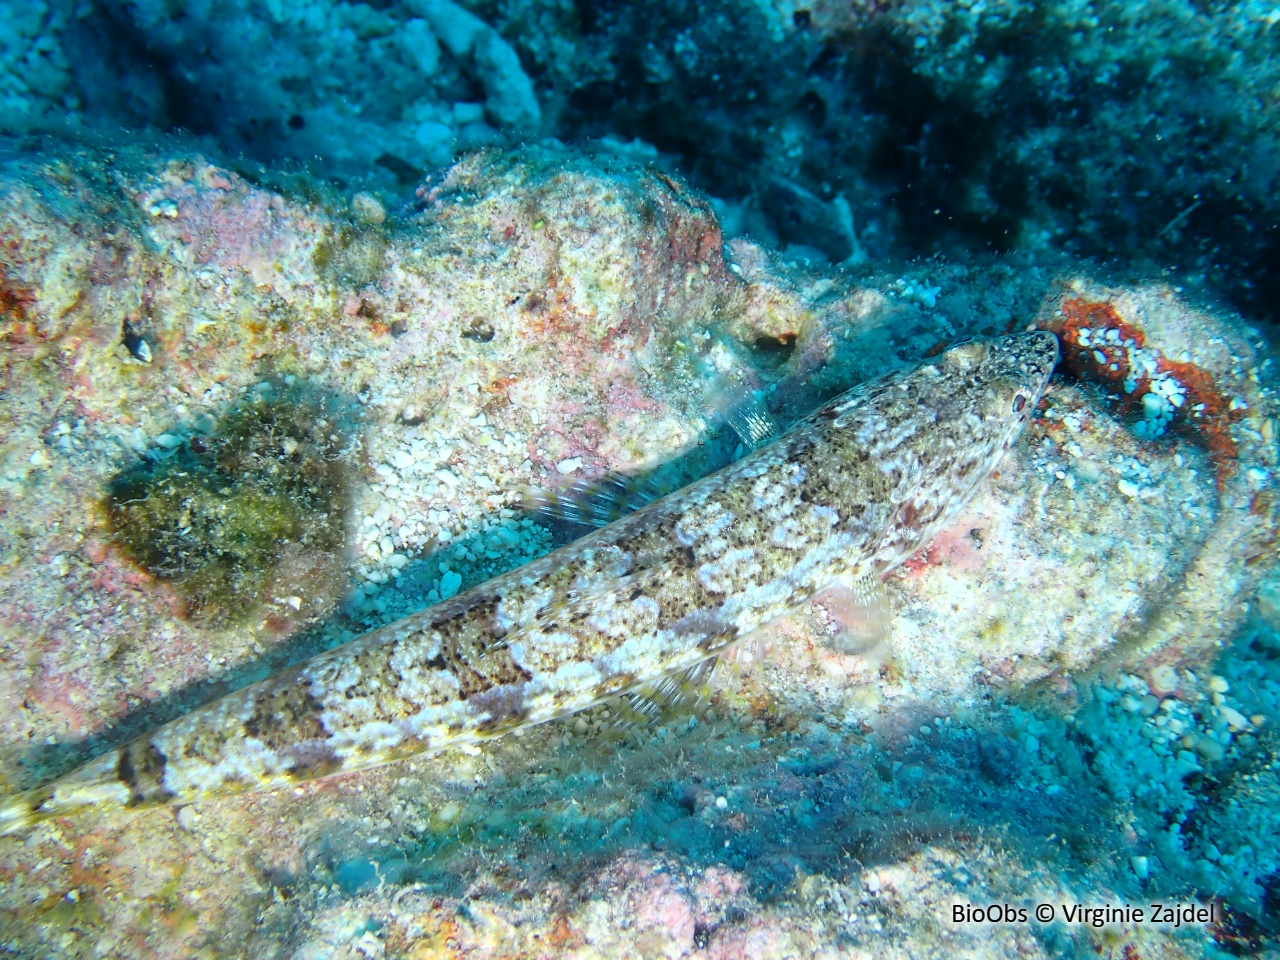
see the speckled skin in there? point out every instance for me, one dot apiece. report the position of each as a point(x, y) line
point(855, 488)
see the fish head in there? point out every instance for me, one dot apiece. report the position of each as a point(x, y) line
point(947, 414)
point(937, 430)
point(998, 382)
point(982, 394)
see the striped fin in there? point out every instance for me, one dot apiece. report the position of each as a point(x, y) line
point(854, 614)
point(598, 502)
point(19, 813)
point(743, 661)
point(655, 701)
point(747, 415)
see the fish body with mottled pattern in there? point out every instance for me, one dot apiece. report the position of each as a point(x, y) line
point(852, 490)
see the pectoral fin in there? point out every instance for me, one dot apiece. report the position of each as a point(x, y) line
point(853, 615)
point(653, 702)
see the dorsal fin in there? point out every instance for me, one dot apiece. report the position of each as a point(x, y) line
point(597, 502)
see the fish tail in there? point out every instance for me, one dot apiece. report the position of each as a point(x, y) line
point(93, 785)
point(21, 812)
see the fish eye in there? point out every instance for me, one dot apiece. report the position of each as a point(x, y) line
point(1019, 402)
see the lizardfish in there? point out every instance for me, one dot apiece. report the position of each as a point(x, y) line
point(848, 493)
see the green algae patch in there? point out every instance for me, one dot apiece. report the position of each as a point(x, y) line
point(250, 519)
point(352, 256)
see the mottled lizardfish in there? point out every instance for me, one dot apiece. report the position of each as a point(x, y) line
point(849, 492)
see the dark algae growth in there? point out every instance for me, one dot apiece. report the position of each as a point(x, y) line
point(233, 516)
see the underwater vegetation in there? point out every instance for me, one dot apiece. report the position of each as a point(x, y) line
point(254, 510)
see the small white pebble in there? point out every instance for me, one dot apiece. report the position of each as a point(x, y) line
point(168, 441)
point(721, 803)
point(1233, 717)
point(1127, 487)
point(570, 465)
point(289, 446)
point(1219, 684)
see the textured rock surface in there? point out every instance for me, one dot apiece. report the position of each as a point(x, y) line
point(544, 315)
point(1082, 127)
